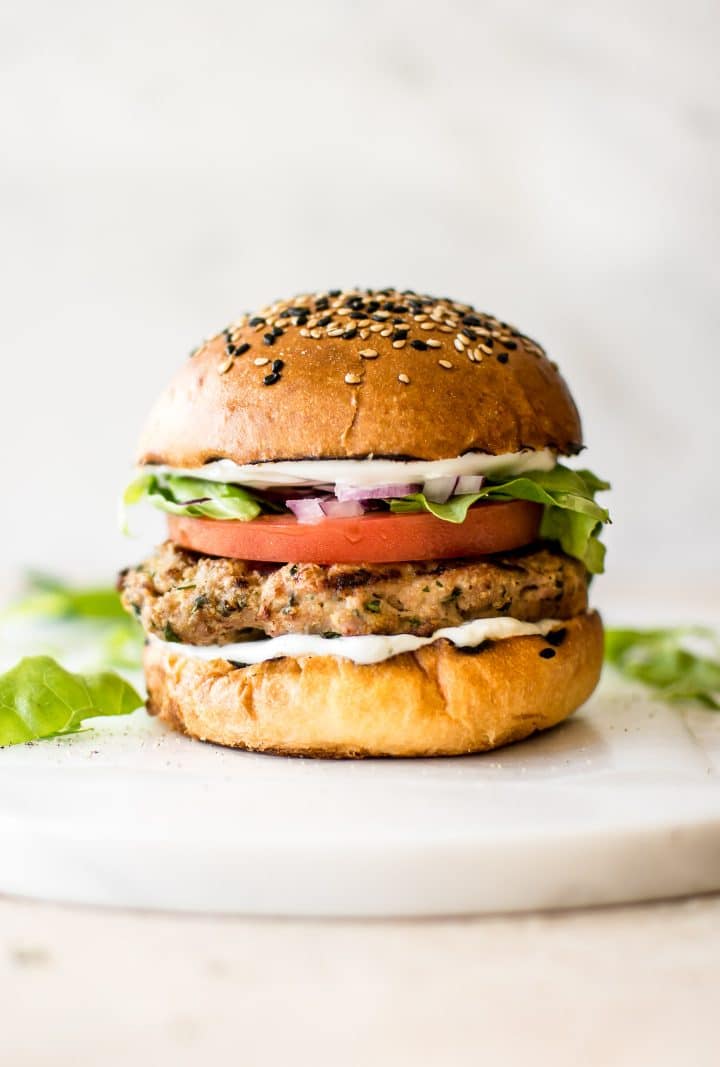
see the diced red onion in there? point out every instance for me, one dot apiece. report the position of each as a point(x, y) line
point(438, 490)
point(315, 509)
point(342, 509)
point(468, 483)
point(307, 510)
point(376, 492)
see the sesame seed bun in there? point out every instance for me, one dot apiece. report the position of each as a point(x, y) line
point(347, 375)
point(437, 701)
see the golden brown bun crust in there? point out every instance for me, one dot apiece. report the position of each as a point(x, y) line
point(436, 701)
point(500, 394)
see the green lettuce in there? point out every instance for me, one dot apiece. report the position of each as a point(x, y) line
point(571, 515)
point(40, 699)
point(680, 664)
point(196, 497)
point(46, 599)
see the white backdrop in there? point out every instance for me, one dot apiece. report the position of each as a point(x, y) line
point(166, 165)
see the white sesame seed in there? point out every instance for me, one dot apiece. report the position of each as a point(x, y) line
point(304, 332)
point(404, 379)
point(486, 349)
point(427, 326)
point(445, 329)
point(368, 353)
point(385, 333)
point(419, 318)
point(459, 345)
point(376, 327)
point(353, 379)
point(445, 363)
point(225, 366)
point(433, 343)
point(317, 334)
point(261, 361)
point(335, 332)
point(399, 344)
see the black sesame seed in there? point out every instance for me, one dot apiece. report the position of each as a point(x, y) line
point(490, 342)
point(511, 345)
point(470, 334)
point(381, 316)
point(286, 313)
point(269, 338)
point(373, 305)
point(556, 637)
point(278, 331)
point(400, 335)
point(420, 345)
point(242, 349)
point(547, 653)
point(325, 320)
point(503, 357)
point(257, 321)
point(277, 365)
point(334, 292)
point(301, 321)
point(472, 320)
point(357, 315)
point(349, 334)
point(270, 379)
point(230, 349)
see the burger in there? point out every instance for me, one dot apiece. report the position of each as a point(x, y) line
point(374, 547)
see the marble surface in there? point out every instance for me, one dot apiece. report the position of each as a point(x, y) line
point(620, 803)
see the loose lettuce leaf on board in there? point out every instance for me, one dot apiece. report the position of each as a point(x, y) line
point(680, 664)
point(40, 699)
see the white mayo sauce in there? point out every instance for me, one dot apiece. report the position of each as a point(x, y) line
point(363, 472)
point(373, 648)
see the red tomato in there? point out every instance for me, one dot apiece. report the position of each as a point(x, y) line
point(378, 537)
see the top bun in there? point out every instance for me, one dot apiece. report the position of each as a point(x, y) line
point(346, 375)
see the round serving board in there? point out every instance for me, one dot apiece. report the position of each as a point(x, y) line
point(620, 803)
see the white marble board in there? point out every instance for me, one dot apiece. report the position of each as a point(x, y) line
point(620, 803)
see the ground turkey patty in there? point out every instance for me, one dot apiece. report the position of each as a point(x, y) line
point(203, 600)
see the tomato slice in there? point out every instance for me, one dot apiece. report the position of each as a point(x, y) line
point(378, 537)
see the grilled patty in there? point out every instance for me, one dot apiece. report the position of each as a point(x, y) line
point(202, 600)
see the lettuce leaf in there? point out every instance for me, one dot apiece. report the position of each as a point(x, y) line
point(117, 636)
point(39, 699)
point(47, 597)
point(193, 496)
point(680, 664)
point(571, 515)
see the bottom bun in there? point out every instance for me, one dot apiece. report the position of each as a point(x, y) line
point(438, 701)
